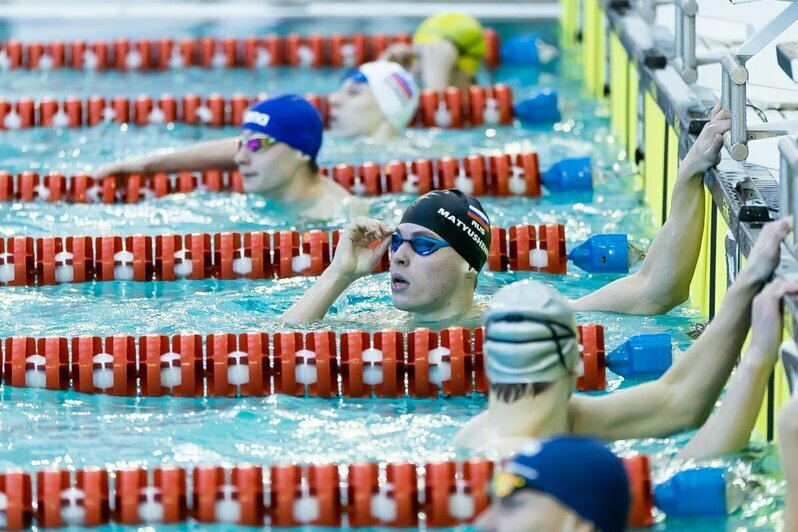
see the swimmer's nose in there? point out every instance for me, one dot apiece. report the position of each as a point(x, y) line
point(401, 257)
point(335, 99)
point(242, 156)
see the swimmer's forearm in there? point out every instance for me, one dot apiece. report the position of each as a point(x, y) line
point(687, 391)
point(664, 278)
point(203, 156)
point(697, 379)
point(317, 301)
point(729, 428)
point(788, 445)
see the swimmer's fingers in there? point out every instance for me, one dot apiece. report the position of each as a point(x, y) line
point(401, 53)
point(715, 111)
point(764, 257)
point(369, 229)
point(382, 247)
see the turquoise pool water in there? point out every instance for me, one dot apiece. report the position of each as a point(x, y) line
point(118, 432)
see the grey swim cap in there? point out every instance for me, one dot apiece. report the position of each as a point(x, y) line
point(530, 335)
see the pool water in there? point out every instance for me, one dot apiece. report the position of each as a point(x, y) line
point(121, 432)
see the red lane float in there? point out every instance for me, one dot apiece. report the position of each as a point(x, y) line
point(538, 249)
point(480, 375)
point(174, 369)
point(591, 341)
point(17, 262)
point(36, 363)
point(139, 500)
point(178, 257)
point(639, 473)
point(234, 259)
point(439, 364)
point(450, 362)
point(104, 365)
point(456, 494)
point(373, 367)
point(64, 260)
point(60, 502)
point(393, 503)
point(17, 490)
point(232, 255)
point(362, 482)
point(238, 365)
point(123, 260)
point(208, 52)
point(483, 106)
point(306, 362)
point(233, 497)
point(399, 497)
point(301, 498)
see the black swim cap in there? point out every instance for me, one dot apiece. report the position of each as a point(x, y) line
point(458, 219)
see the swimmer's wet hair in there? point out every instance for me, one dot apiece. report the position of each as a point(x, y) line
point(510, 393)
point(314, 166)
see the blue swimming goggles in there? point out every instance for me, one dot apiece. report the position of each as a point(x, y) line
point(422, 245)
point(356, 76)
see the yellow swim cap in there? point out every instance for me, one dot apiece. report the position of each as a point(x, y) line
point(462, 30)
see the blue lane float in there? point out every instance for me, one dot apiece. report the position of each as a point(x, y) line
point(693, 493)
point(569, 175)
point(526, 50)
point(646, 356)
point(539, 108)
point(607, 253)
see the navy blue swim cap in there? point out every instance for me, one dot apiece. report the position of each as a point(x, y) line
point(289, 119)
point(581, 473)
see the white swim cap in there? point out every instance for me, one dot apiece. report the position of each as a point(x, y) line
point(394, 90)
point(530, 335)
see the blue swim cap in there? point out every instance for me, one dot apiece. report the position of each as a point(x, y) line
point(581, 473)
point(289, 119)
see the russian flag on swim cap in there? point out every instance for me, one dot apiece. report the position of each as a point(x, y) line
point(479, 216)
point(289, 119)
point(403, 84)
point(394, 91)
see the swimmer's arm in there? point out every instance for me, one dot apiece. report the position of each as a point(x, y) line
point(684, 396)
point(664, 278)
point(437, 65)
point(203, 156)
point(730, 426)
point(361, 246)
point(318, 300)
point(788, 444)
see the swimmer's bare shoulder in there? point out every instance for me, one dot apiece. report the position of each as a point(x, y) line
point(334, 202)
point(471, 435)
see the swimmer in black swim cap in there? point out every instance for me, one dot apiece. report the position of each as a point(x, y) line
point(437, 251)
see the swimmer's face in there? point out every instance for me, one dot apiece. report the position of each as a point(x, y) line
point(527, 510)
point(354, 111)
point(430, 284)
point(270, 169)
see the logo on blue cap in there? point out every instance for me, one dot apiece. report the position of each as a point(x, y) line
point(289, 119)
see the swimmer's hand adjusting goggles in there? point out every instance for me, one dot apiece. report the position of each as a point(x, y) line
point(257, 144)
point(422, 245)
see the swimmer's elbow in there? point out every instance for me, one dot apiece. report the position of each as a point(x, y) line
point(659, 298)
